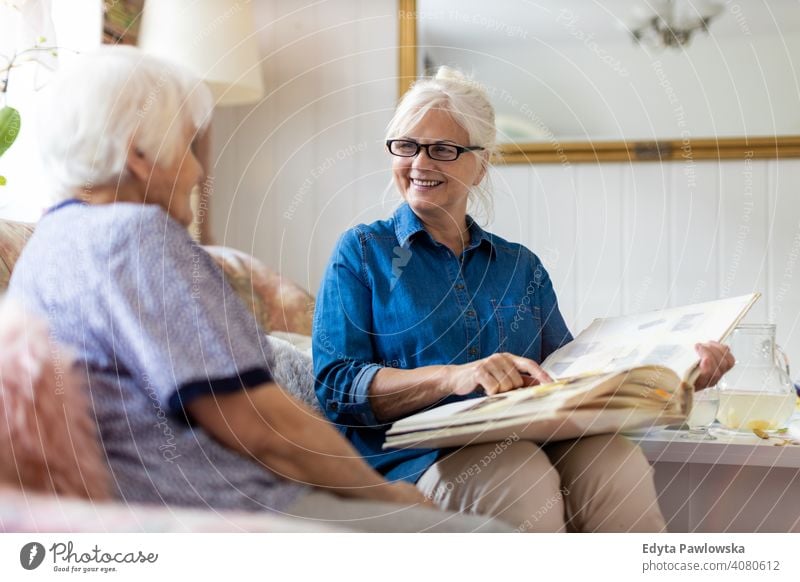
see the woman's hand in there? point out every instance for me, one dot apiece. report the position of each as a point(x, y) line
point(715, 360)
point(497, 373)
point(396, 393)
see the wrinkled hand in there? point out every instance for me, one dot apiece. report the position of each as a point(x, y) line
point(715, 360)
point(497, 373)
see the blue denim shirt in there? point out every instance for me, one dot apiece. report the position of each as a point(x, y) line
point(393, 296)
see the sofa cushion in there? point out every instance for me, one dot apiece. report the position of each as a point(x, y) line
point(278, 303)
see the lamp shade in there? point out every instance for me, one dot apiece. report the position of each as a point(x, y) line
point(212, 38)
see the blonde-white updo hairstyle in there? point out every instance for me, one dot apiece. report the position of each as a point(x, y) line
point(107, 101)
point(468, 104)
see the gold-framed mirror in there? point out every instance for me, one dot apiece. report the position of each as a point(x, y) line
point(419, 21)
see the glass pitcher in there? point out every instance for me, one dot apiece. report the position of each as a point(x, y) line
point(757, 393)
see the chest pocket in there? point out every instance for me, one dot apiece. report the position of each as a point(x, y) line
point(519, 328)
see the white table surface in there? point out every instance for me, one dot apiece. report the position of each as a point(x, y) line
point(669, 445)
point(732, 484)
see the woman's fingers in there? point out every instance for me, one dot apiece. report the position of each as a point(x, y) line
point(707, 366)
point(717, 356)
point(730, 361)
point(715, 360)
point(510, 371)
point(487, 380)
point(531, 368)
point(504, 374)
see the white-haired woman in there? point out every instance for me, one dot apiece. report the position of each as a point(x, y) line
point(177, 368)
point(427, 308)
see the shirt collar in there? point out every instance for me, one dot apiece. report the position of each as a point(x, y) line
point(407, 225)
point(63, 203)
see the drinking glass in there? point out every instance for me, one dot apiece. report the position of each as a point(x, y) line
point(704, 410)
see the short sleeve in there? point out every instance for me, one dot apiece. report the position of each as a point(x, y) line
point(176, 325)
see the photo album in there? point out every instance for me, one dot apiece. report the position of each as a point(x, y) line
point(619, 374)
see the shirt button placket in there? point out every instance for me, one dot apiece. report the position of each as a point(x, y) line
point(469, 314)
point(471, 323)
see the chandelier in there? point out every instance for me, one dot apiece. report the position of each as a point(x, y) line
point(673, 23)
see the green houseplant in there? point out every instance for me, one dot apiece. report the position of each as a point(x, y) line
point(10, 119)
point(9, 129)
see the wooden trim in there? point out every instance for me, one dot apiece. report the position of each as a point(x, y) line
point(575, 152)
point(665, 150)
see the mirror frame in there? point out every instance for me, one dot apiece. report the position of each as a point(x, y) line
point(777, 147)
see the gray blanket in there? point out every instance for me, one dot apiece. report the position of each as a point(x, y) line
point(293, 369)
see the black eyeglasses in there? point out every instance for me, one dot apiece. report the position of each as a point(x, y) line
point(443, 152)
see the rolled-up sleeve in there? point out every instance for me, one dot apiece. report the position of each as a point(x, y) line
point(344, 356)
point(555, 332)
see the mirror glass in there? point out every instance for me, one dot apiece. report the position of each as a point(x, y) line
point(635, 70)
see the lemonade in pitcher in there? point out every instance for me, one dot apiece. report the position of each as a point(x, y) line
point(747, 411)
point(757, 394)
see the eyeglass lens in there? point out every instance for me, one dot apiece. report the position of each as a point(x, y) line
point(436, 151)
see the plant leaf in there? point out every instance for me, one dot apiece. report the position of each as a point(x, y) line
point(2, 180)
point(9, 127)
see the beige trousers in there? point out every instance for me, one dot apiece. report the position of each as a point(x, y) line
point(596, 483)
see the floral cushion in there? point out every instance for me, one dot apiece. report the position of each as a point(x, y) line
point(278, 303)
point(13, 236)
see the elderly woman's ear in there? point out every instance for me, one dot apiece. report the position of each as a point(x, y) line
point(138, 165)
point(201, 146)
point(150, 181)
point(484, 168)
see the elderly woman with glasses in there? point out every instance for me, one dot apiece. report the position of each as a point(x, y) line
point(426, 308)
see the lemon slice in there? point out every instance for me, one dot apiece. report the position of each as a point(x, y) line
point(758, 425)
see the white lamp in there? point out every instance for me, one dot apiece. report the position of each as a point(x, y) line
point(215, 40)
point(212, 38)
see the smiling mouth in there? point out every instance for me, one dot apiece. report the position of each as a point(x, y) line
point(425, 183)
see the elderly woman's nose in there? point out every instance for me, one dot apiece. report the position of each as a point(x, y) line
point(422, 160)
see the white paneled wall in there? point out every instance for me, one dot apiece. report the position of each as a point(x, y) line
point(621, 238)
point(295, 171)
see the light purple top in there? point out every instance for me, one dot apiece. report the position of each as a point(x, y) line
point(154, 325)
